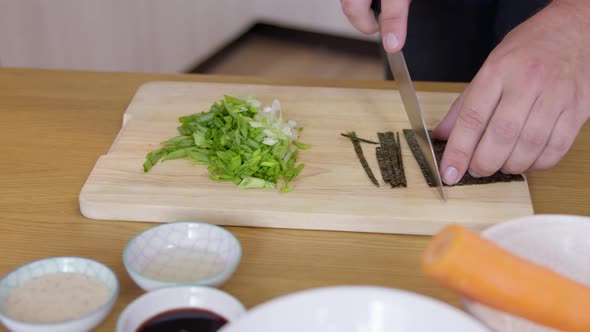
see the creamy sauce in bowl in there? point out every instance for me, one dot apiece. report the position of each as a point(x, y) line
point(56, 297)
point(184, 265)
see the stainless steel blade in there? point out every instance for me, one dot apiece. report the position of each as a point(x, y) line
point(407, 92)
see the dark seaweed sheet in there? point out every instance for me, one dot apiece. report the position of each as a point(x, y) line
point(386, 159)
point(395, 152)
point(349, 135)
point(385, 174)
point(392, 165)
point(359, 152)
point(401, 162)
point(439, 147)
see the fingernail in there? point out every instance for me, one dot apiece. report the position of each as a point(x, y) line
point(474, 174)
point(391, 42)
point(450, 175)
point(505, 172)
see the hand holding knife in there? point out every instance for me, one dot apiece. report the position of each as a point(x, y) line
point(414, 112)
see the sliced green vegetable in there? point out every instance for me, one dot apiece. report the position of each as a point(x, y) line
point(301, 145)
point(180, 153)
point(286, 188)
point(152, 158)
point(256, 183)
point(296, 172)
point(240, 142)
point(176, 140)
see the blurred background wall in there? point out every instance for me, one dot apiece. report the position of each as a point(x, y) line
point(146, 35)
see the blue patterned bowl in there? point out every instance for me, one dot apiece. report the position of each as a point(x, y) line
point(182, 253)
point(57, 294)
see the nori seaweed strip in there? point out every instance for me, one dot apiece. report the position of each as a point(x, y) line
point(439, 148)
point(359, 152)
point(385, 151)
point(401, 162)
point(414, 147)
point(394, 155)
point(391, 152)
point(382, 166)
point(360, 139)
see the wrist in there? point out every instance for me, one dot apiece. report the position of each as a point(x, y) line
point(577, 9)
point(573, 22)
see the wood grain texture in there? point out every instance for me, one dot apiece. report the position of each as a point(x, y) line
point(331, 193)
point(55, 124)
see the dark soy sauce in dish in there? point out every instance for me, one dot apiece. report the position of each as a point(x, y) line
point(184, 320)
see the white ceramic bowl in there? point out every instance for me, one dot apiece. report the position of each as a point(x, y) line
point(182, 254)
point(53, 265)
point(559, 242)
point(355, 309)
point(200, 297)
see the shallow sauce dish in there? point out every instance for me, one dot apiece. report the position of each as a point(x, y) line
point(202, 298)
point(182, 253)
point(353, 309)
point(57, 294)
point(558, 242)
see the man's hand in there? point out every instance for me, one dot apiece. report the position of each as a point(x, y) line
point(394, 20)
point(528, 102)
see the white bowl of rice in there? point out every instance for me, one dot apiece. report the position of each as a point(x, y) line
point(57, 294)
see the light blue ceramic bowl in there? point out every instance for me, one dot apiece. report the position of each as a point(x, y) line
point(52, 265)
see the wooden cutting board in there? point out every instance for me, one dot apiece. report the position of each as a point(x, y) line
point(331, 193)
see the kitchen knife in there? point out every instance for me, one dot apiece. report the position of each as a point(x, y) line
point(399, 69)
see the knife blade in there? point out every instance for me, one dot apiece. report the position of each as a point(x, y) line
point(407, 92)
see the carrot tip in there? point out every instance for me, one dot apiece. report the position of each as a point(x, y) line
point(441, 243)
point(439, 246)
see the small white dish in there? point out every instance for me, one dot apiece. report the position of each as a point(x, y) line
point(353, 309)
point(182, 253)
point(559, 242)
point(155, 303)
point(74, 291)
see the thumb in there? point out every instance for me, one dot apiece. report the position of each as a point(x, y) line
point(394, 23)
point(442, 131)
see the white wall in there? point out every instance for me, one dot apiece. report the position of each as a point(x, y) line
point(317, 15)
point(144, 35)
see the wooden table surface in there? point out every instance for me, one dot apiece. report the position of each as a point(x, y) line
point(55, 124)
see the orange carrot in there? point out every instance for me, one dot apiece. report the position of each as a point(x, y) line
point(480, 270)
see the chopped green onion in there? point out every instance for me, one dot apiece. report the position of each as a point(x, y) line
point(255, 183)
point(180, 153)
point(301, 145)
point(240, 141)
